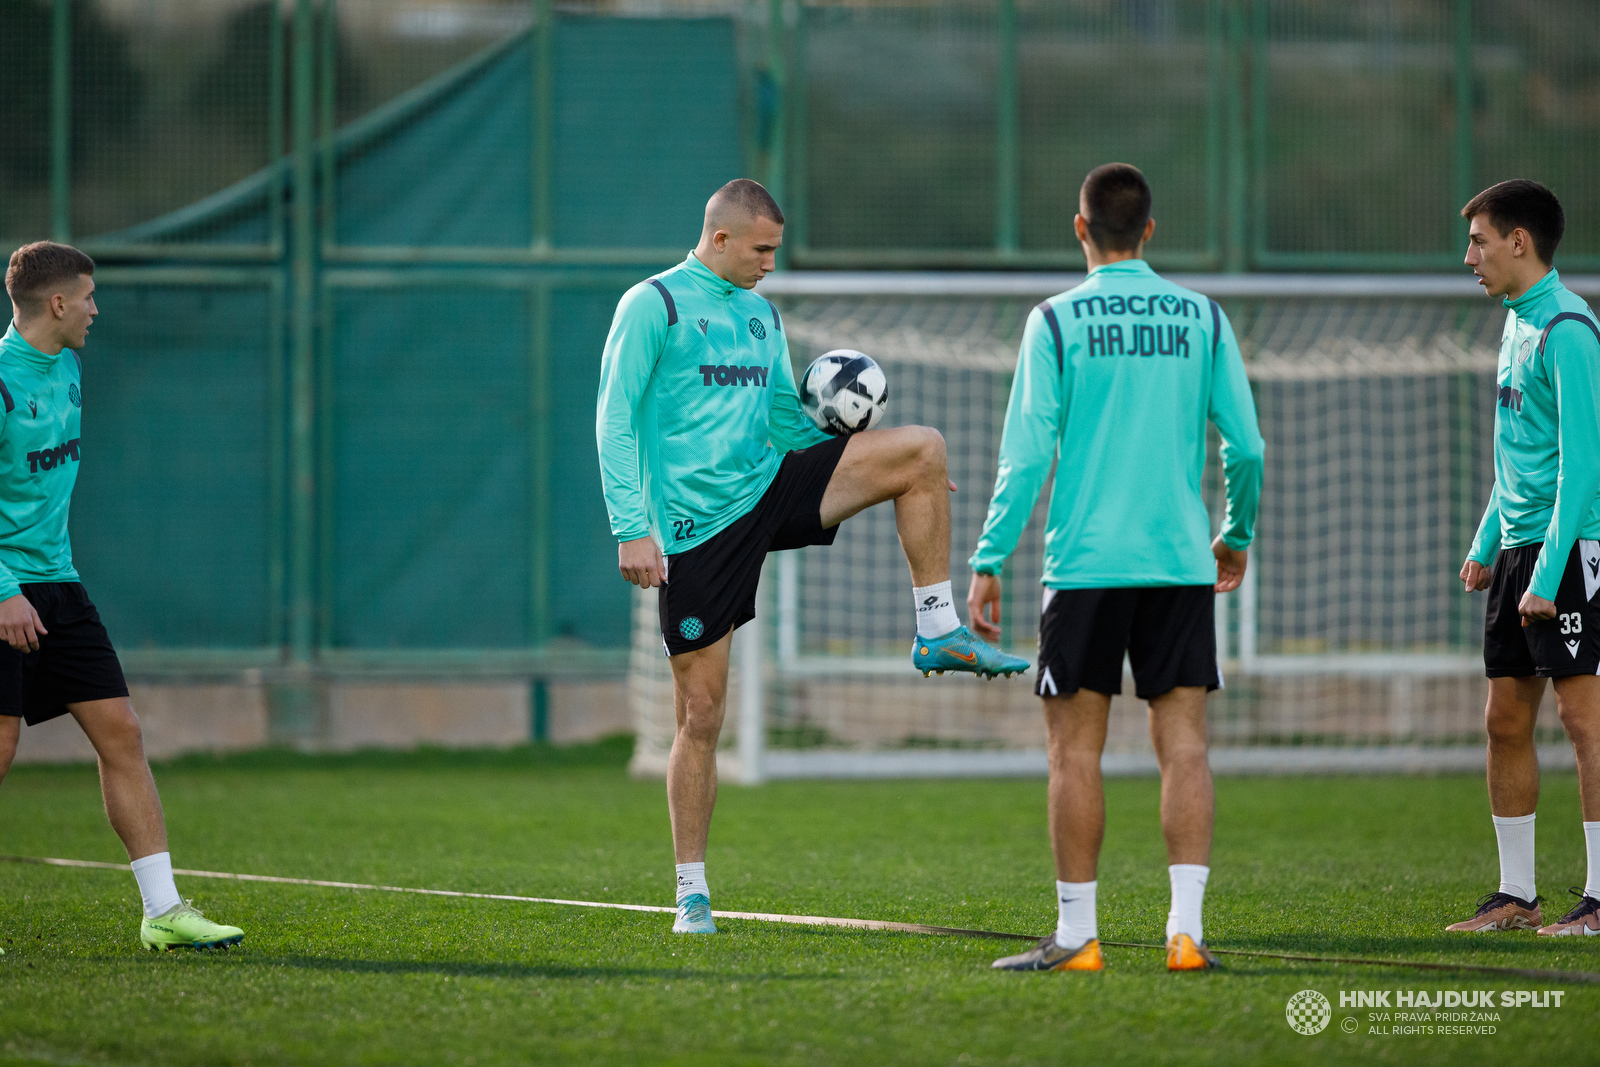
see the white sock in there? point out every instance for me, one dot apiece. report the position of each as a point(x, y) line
point(1075, 915)
point(936, 610)
point(1188, 893)
point(1515, 835)
point(692, 879)
point(1591, 837)
point(154, 875)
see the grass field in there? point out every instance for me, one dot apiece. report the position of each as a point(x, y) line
point(1349, 866)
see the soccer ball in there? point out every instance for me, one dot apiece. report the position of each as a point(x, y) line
point(844, 392)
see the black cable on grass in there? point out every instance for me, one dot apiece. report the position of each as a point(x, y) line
point(825, 920)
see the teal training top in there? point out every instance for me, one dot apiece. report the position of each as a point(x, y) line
point(1546, 432)
point(40, 404)
point(697, 406)
point(1118, 377)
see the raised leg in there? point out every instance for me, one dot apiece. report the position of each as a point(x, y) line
point(1076, 734)
point(699, 693)
point(1188, 805)
point(906, 465)
point(1513, 764)
point(132, 803)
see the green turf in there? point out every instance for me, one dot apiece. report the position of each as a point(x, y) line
point(1355, 866)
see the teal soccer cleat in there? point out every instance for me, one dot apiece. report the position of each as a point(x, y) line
point(694, 916)
point(962, 650)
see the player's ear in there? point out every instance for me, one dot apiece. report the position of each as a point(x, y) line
point(1080, 227)
point(1149, 228)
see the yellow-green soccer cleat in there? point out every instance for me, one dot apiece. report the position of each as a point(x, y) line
point(962, 650)
point(185, 927)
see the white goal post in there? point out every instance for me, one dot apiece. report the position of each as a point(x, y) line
point(1349, 647)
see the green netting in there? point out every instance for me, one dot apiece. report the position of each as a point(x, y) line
point(1359, 126)
point(1135, 83)
point(429, 476)
point(1538, 105)
point(171, 518)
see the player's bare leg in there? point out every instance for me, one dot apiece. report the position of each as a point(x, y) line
point(1513, 773)
point(1075, 730)
point(1513, 764)
point(132, 803)
point(1578, 701)
point(907, 465)
point(1188, 814)
point(10, 732)
point(1188, 803)
point(134, 808)
point(699, 696)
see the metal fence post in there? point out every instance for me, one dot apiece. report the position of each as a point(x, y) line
point(543, 59)
point(1465, 91)
point(1008, 152)
point(751, 642)
point(1236, 181)
point(61, 121)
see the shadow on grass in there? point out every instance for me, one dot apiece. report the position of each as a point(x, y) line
point(472, 969)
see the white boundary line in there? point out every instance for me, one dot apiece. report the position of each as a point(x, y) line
point(758, 916)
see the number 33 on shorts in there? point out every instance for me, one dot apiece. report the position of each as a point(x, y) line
point(1571, 622)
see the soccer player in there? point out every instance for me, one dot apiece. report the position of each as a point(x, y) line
point(1541, 534)
point(56, 657)
point(706, 456)
point(1118, 377)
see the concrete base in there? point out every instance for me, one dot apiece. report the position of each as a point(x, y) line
point(180, 718)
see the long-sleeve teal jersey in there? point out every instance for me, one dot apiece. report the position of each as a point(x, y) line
point(697, 406)
point(1121, 386)
point(1546, 432)
point(41, 397)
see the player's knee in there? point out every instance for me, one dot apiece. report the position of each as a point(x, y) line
point(700, 723)
point(1578, 720)
point(119, 737)
point(1507, 726)
point(930, 457)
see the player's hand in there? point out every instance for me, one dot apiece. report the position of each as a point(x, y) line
point(1230, 565)
point(1475, 576)
point(952, 485)
point(1532, 607)
point(20, 625)
point(983, 595)
point(639, 561)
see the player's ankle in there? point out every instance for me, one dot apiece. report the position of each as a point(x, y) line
point(936, 610)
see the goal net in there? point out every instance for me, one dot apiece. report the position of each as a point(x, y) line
point(1350, 645)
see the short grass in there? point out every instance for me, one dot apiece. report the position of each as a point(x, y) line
point(1350, 866)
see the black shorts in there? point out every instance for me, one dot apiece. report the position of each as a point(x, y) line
point(1550, 648)
point(711, 588)
point(75, 661)
point(1167, 631)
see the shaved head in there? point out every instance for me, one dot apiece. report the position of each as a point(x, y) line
point(739, 203)
point(743, 231)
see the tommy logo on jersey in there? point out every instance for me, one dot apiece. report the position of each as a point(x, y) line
point(724, 375)
point(50, 458)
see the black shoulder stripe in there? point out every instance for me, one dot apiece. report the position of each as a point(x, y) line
point(1543, 337)
point(777, 320)
point(79, 359)
point(5, 394)
point(1216, 328)
point(672, 308)
point(1055, 331)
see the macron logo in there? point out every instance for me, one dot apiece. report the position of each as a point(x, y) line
point(1594, 567)
point(1572, 647)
